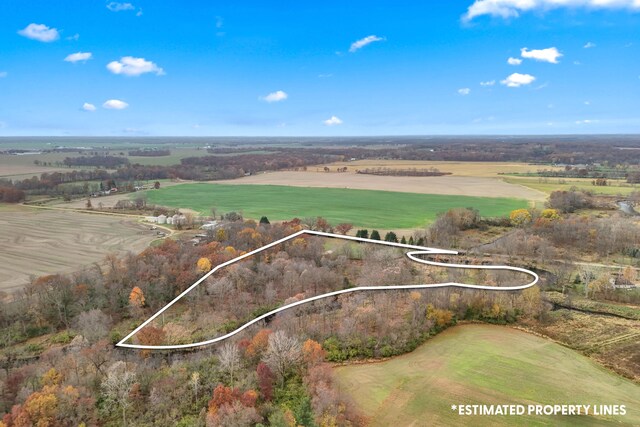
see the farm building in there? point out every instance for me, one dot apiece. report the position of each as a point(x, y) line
point(162, 219)
point(620, 282)
point(179, 219)
point(210, 225)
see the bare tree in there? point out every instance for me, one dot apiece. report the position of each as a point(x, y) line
point(93, 325)
point(229, 357)
point(195, 383)
point(283, 353)
point(116, 388)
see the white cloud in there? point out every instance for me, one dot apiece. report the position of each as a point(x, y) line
point(115, 104)
point(359, 44)
point(587, 102)
point(488, 83)
point(333, 121)
point(550, 54)
point(513, 8)
point(3, 74)
point(517, 80)
point(464, 91)
point(74, 37)
point(139, 12)
point(40, 32)
point(90, 107)
point(78, 56)
point(586, 122)
point(589, 45)
point(219, 25)
point(514, 61)
point(276, 96)
point(130, 66)
point(115, 6)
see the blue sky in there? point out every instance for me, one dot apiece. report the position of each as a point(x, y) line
point(319, 68)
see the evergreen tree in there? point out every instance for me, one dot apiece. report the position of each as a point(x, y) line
point(403, 240)
point(411, 241)
point(264, 221)
point(391, 237)
point(363, 234)
point(375, 235)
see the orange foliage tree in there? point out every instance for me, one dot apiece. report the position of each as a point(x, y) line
point(203, 265)
point(226, 401)
point(136, 297)
point(53, 405)
point(150, 335)
point(258, 344)
point(312, 352)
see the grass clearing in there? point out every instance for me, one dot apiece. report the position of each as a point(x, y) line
point(363, 208)
point(485, 364)
point(549, 185)
point(613, 341)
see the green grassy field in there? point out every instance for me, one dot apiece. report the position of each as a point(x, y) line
point(363, 208)
point(548, 185)
point(484, 364)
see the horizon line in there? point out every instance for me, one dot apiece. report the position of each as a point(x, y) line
point(447, 135)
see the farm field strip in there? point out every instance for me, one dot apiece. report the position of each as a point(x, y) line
point(469, 169)
point(363, 208)
point(443, 185)
point(548, 185)
point(39, 242)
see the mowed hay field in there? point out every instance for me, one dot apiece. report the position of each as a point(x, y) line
point(549, 185)
point(472, 169)
point(38, 241)
point(485, 364)
point(363, 208)
point(22, 167)
point(448, 184)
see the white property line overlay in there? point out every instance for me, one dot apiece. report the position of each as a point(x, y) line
point(412, 255)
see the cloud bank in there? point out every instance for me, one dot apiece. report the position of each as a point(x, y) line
point(514, 8)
